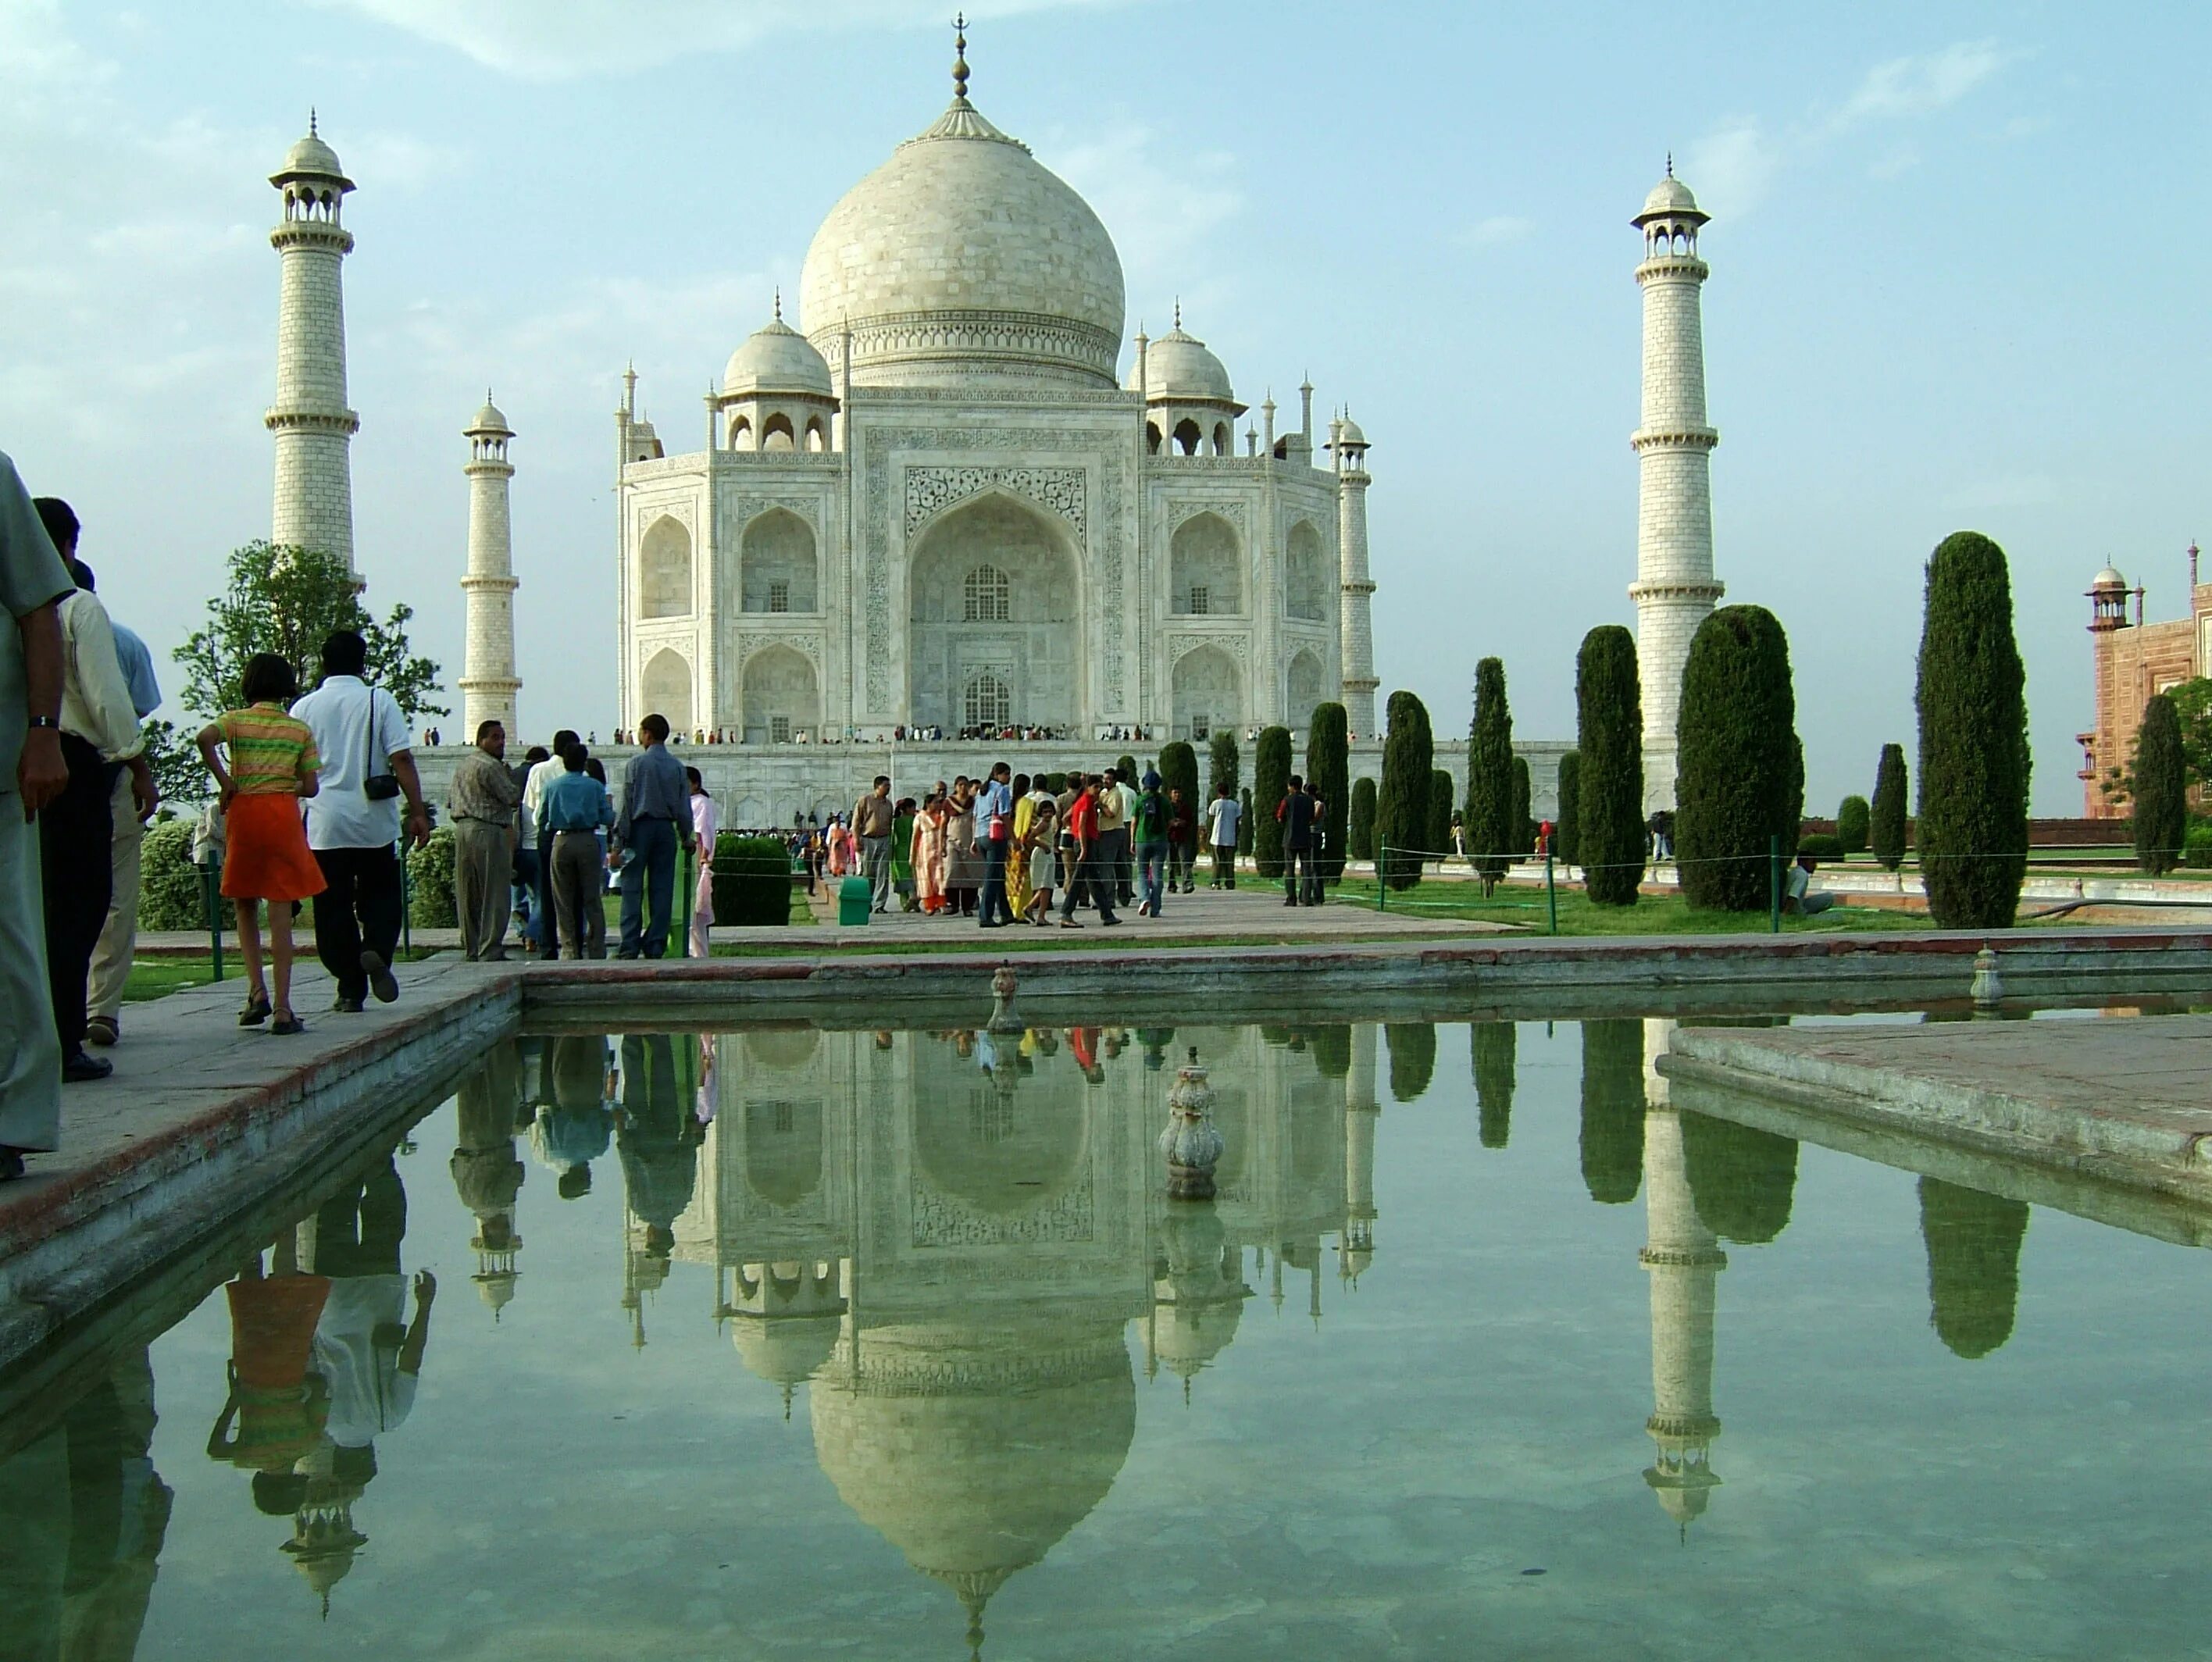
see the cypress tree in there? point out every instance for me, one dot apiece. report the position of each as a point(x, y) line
point(1973, 1264)
point(1328, 771)
point(1741, 1180)
point(1179, 772)
point(1612, 1110)
point(1885, 821)
point(1609, 744)
point(1359, 824)
point(2160, 787)
point(1401, 807)
point(1493, 1045)
point(1442, 806)
point(1332, 1050)
point(1125, 769)
point(1973, 739)
point(1490, 822)
point(1523, 821)
point(1271, 783)
point(1852, 820)
point(1741, 778)
point(1566, 830)
point(1221, 765)
point(1412, 1057)
point(1244, 822)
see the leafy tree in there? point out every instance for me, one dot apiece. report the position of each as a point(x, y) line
point(1523, 821)
point(1885, 823)
point(286, 600)
point(1441, 807)
point(1179, 772)
point(1493, 1045)
point(2160, 787)
point(172, 891)
point(1221, 765)
point(1612, 1110)
point(1853, 821)
point(1973, 1264)
point(1489, 822)
point(1741, 1180)
point(1244, 822)
point(1124, 767)
point(1973, 739)
point(1328, 770)
point(1271, 783)
point(178, 774)
point(1402, 809)
point(433, 902)
point(2192, 705)
point(1412, 1057)
point(1609, 744)
point(1741, 777)
point(1566, 830)
point(1359, 825)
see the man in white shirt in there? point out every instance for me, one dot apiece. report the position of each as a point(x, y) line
point(544, 932)
point(118, 936)
point(99, 738)
point(362, 736)
point(1221, 817)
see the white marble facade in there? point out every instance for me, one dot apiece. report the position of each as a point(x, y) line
point(940, 506)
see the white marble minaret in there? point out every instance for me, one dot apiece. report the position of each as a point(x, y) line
point(1675, 591)
point(1684, 1260)
point(313, 427)
point(488, 681)
point(1356, 633)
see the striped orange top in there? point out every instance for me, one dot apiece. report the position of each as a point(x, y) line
point(269, 751)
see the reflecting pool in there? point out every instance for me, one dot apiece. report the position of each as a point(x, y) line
point(792, 1341)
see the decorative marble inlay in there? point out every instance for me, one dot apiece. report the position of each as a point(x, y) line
point(931, 490)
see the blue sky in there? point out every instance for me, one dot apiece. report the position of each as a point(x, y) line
point(1957, 259)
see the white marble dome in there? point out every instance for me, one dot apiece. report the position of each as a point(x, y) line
point(2108, 577)
point(1179, 369)
point(776, 359)
point(490, 421)
point(311, 157)
point(963, 257)
point(1669, 197)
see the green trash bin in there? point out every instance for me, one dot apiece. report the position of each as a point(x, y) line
point(852, 901)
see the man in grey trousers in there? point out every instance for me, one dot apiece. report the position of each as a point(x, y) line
point(872, 818)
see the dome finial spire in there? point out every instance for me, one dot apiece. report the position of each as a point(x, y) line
point(778, 302)
point(311, 121)
point(960, 58)
point(1670, 164)
point(1178, 309)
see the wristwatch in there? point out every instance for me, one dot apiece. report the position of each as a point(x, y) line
point(44, 721)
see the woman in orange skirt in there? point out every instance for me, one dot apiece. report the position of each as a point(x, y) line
point(273, 763)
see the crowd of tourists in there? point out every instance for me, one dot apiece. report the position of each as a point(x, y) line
point(1000, 848)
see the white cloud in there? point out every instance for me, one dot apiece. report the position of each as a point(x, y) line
point(1162, 205)
point(1907, 86)
point(1733, 166)
point(559, 40)
point(1495, 231)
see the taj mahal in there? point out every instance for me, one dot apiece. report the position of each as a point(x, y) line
point(951, 506)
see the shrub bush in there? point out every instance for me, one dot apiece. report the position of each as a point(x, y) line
point(2160, 788)
point(1328, 771)
point(1822, 845)
point(1360, 823)
point(1271, 783)
point(1566, 830)
point(172, 892)
point(1179, 772)
point(1244, 822)
point(1854, 821)
point(1609, 744)
point(1522, 819)
point(1443, 809)
point(1055, 783)
point(1492, 827)
point(752, 880)
point(1741, 774)
point(1402, 809)
point(431, 904)
point(1221, 765)
point(1885, 818)
point(1973, 739)
point(2197, 846)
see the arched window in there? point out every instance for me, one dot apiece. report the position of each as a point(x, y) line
point(1188, 438)
point(988, 702)
point(988, 596)
point(776, 560)
point(1205, 568)
point(1221, 440)
point(665, 570)
point(817, 437)
point(741, 433)
point(1152, 438)
point(776, 434)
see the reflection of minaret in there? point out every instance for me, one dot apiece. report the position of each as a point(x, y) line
point(1361, 1110)
point(1684, 1260)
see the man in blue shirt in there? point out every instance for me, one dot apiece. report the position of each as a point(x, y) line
point(656, 798)
point(995, 827)
point(574, 809)
point(118, 936)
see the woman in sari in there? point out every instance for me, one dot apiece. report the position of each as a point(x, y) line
point(964, 867)
point(837, 842)
point(928, 854)
point(1017, 865)
point(903, 817)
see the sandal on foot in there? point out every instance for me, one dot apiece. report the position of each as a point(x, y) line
point(256, 1011)
point(102, 1030)
point(287, 1024)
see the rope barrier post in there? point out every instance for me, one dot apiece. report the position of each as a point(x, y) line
point(211, 892)
point(1551, 889)
point(1774, 882)
point(406, 902)
point(1382, 889)
point(684, 891)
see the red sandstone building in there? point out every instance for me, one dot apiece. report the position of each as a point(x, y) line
point(2133, 661)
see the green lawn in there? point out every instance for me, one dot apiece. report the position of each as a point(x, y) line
point(157, 978)
point(1654, 914)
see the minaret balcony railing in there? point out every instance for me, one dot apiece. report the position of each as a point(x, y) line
point(311, 233)
point(1673, 266)
point(311, 420)
point(1675, 437)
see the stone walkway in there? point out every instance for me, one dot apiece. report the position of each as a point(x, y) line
point(2128, 1101)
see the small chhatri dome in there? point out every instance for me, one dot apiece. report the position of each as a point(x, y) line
point(1348, 435)
point(1179, 369)
point(489, 422)
point(776, 358)
point(1670, 199)
point(2108, 577)
point(310, 159)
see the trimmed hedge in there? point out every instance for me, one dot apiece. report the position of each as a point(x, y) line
point(1412, 1057)
point(1973, 1264)
point(1221, 765)
point(752, 880)
point(1271, 784)
point(1360, 823)
point(1612, 1110)
point(1974, 759)
point(1886, 824)
point(1566, 830)
point(1609, 744)
point(1822, 845)
point(1328, 771)
point(1179, 771)
point(1493, 1045)
point(1523, 821)
point(172, 891)
point(431, 902)
point(2197, 847)
point(1742, 773)
point(1442, 806)
point(1402, 808)
point(1491, 825)
point(1244, 822)
point(1854, 821)
point(1741, 1180)
point(2160, 788)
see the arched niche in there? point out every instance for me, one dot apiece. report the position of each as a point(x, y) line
point(777, 433)
point(781, 695)
point(784, 1142)
point(777, 567)
point(994, 587)
point(1306, 686)
point(1189, 438)
point(1305, 575)
point(665, 688)
point(664, 569)
point(1208, 693)
point(1205, 568)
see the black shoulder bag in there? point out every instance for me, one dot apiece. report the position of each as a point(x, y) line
point(377, 787)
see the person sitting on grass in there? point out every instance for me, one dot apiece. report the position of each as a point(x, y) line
point(1799, 898)
point(273, 764)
